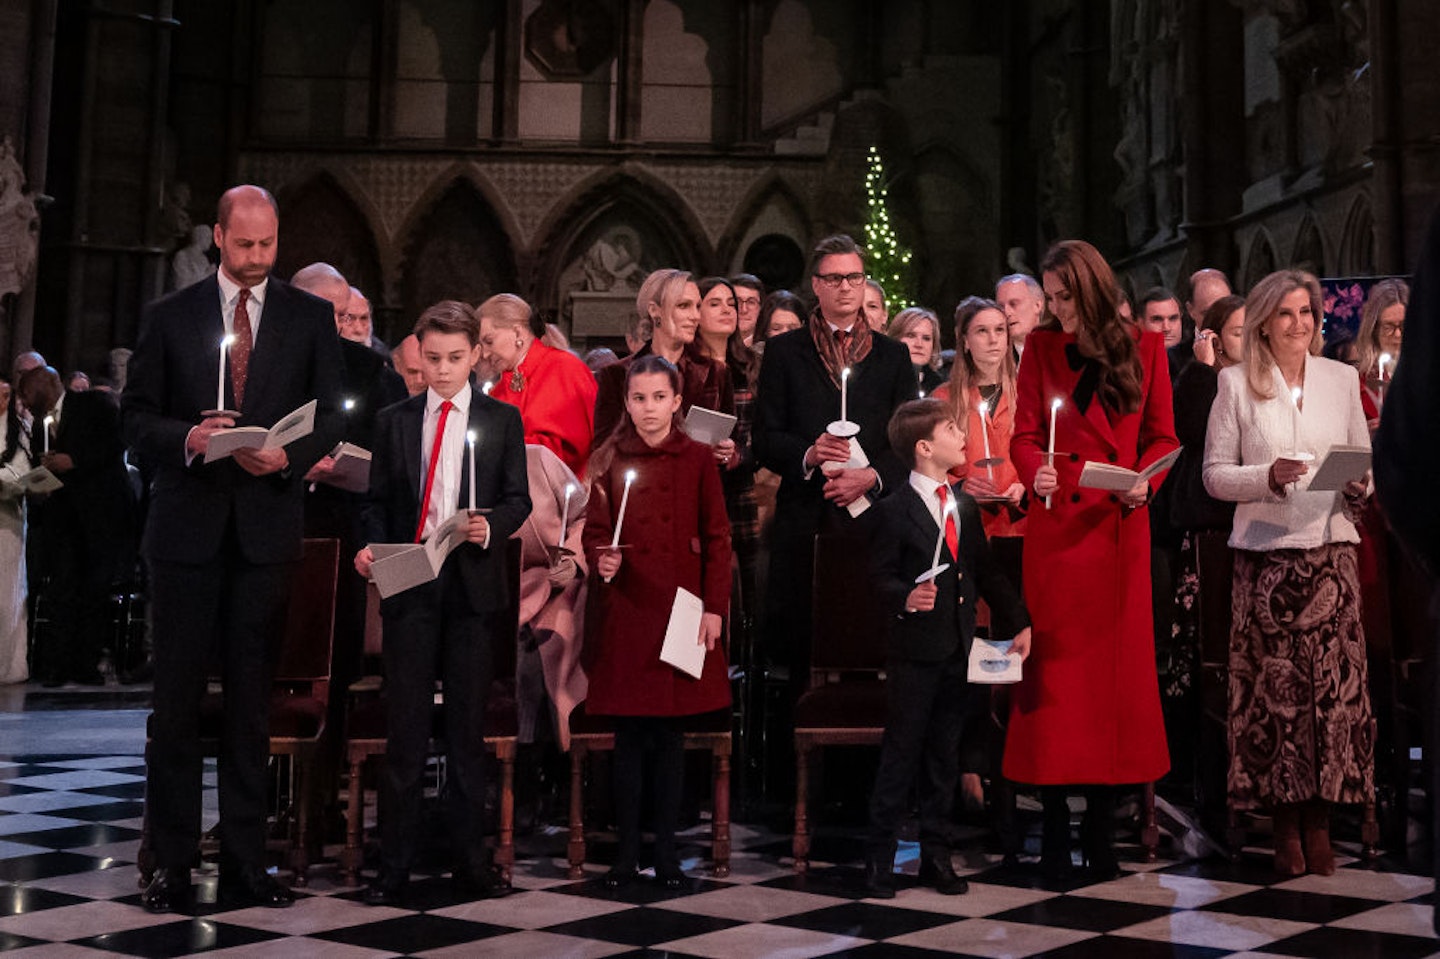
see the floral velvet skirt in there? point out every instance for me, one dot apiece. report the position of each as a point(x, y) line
point(1301, 725)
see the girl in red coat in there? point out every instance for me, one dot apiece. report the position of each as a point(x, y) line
point(1087, 713)
point(675, 534)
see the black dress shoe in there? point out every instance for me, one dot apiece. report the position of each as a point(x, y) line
point(880, 878)
point(256, 887)
point(619, 876)
point(670, 877)
point(169, 891)
point(938, 872)
point(387, 888)
point(481, 882)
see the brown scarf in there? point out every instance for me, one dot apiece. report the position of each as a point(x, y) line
point(827, 344)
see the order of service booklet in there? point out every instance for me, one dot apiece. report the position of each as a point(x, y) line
point(1118, 478)
point(1342, 465)
point(682, 648)
point(352, 468)
point(402, 566)
point(291, 427)
point(707, 426)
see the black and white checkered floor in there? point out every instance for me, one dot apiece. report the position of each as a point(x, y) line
point(69, 831)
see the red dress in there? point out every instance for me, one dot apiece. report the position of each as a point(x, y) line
point(1088, 709)
point(557, 402)
point(678, 535)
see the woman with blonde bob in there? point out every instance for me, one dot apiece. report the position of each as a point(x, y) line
point(1300, 726)
point(919, 329)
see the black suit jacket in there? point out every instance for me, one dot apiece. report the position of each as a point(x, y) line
point(171, 381)
point(96, 494)
point(367, 385)
point(392, 509)
point(796, 401)
point(902, 546)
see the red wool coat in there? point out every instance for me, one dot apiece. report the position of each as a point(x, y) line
point(556, 401)
point(678, 534)
point(1088, 709)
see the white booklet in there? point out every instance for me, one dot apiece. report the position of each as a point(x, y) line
point(994, 663)
point(292, 427)
point(39, 480)
point(1342, 465)
point(708, 426)
point(402, 566)
point(857, 460)
point(1118, 478)
point(682, 648)
point(352, 468)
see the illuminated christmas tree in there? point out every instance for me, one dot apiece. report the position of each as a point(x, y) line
point(887, 261)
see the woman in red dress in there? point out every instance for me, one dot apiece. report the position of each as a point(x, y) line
point(675, 535)
point(1088, 711)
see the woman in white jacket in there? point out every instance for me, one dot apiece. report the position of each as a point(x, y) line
point(1301, 731)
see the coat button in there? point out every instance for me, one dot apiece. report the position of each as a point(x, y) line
point(1113, 457)
point(1074, 457)
point(1074, 497)
point(1114, 498)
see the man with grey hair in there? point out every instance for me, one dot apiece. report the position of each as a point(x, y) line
point(1206, 286)
point(1022, 299)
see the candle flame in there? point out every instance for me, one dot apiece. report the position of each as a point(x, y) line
point(487, 387)
point(470, 436)
point(984, 407)
point(228, 340)
point(1384, 357)
point(1295, 394)
point(49, 422)
point(845, 373)
point(349, 403)
point(569, 490)
point(629, 477)
point(1056, 403)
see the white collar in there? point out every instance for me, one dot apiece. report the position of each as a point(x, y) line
point(461, 399)
point(229, 289)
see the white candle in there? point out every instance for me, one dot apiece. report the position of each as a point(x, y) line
point(565, 513)
point(1295, 394)
point(470, 436)
point(45, 440)
point(985, 435)
point(844, 395)
point(225, 342)
point(940, 540)
point(1054, 411)
point(1385, 360)
point(624, 502)
point(487, 387)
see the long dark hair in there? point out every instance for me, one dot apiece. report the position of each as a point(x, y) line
point(13, 426)
point(1102, 334)
point(601, 459)
point(739, 359)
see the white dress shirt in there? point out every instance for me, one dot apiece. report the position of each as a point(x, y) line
point(1246, 434)
point(230, 295)
point(925, 487)
point(445, 494)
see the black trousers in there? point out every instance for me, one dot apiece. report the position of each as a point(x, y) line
point(925, 713)
point(78, 566)
point(433, 634)
point(230, 613)
point(664, 737)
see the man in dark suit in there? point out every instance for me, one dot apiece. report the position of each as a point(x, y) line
point(419, 478)
point(798, 396)
point(222, 539)
point(932, 627)
point(82, 535)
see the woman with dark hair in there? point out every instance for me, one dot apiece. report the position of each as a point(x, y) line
point(919, 329)
point(1087, 713)
point(675, 535)
point(1302, 735)
point(1377, 351)
point(15, 461)
point(782, 312)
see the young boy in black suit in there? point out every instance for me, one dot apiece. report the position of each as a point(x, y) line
point(419, 477)
point(932, 626)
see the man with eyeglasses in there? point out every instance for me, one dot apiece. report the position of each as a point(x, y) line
point(749, 291)
point(358, 326)
point(798, 397)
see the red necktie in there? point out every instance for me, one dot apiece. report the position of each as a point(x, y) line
point(240, 349)
point(952, 535)
point(445, 408)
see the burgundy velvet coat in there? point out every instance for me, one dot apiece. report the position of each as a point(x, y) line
point(678, 534)
point(1088, 709)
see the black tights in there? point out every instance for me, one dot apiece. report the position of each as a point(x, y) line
point(663, 736)
point(1097, 828)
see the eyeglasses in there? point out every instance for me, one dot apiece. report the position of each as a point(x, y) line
point(353, 317)
point(1390, 329)
point(833, 280)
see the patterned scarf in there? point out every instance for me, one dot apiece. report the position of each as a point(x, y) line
point(827, 344)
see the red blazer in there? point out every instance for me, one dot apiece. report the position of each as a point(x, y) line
point(1088, 709)
point(557, 403)
point(678, 534)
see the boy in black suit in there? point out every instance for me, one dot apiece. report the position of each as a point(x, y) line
point(932, 625)
point(418, 480)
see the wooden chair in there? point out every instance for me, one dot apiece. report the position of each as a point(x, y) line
point(300, 697)
point(366, 728)
point(844, 704)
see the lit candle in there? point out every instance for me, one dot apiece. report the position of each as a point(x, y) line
point(225, 342)
point(940, 539)
point(985, 435)
point(487, 387)
point(349, 404)
point(1295, 394)
point(565, 513)
point(1385, 360)
point(45, 439)
point(1055, 405)
point(624, 502)
point(470, 436)
point(844, 394)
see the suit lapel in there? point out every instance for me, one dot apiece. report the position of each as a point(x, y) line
point(206, 334)
point(920, 515)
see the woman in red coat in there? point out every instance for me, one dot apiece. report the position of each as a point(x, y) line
point(1088, 710)
point(675, 535)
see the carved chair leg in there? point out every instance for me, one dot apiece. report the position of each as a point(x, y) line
point(351, 857)
point(801, 842)
point(300, 851)
point(720, 821)
point(1149, 828)
point(577, 811)
point(505, 851)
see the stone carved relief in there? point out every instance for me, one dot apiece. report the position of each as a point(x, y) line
point(1143, 68)
point(1057, 162)
point(19, 224)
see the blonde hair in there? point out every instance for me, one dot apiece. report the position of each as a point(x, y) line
point(506, 310)
point(1383, 295)
point(913, 316)
point(1262, 306)
point(660, 290)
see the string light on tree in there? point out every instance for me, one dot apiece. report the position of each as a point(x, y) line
point(887, 260)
